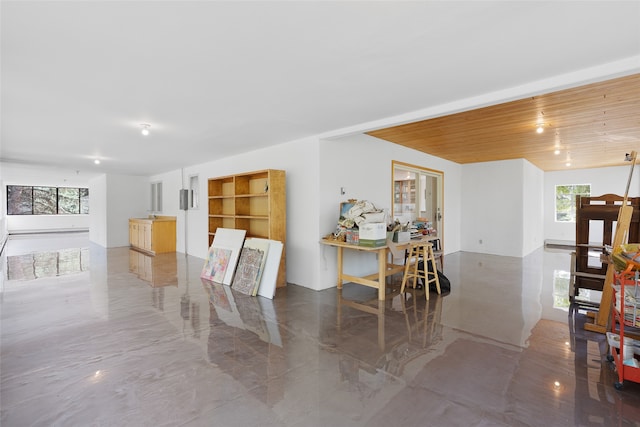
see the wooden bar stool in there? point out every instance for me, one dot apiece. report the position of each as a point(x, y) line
point(438, 253)
point(413, 271)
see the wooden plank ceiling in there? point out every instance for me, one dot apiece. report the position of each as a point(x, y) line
point(589, 126)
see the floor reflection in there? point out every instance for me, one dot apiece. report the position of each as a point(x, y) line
point(404, 326)
point(47, 264)
point(244, 340)
point(502, 349)
point(158, 270)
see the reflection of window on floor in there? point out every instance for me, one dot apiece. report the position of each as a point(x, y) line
point(47, 264)
point(561, 280)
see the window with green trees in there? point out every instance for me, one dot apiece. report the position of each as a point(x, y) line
point(566, 200)
point(33, 200)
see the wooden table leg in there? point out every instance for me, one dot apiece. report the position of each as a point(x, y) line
point(381, 337)
point(382, 273)
point(339, 318)
point(340, 253)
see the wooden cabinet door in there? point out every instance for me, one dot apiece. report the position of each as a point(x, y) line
point(145, 236)
point(134, 239)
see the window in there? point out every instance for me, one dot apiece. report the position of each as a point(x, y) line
point(19, 200)
point(45, 201)
point(193, 192)
point(156, 197)
point(69, 200)
point(27, 200)
point(84, 200)
point(566, 200)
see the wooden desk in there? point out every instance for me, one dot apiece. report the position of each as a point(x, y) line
point(375, 280)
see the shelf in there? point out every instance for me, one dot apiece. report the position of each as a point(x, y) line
point(252, 206)
point(252, 183)
point(221, 187)
point(254, 202)
point(216, 222)
point(224, 206)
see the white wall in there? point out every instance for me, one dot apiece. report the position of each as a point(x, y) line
point(533, 208)
point(611, 180)
point(113, 200)
point(127, 197)
point(503, 207)
point(43, 223)
point(98, 210)
point(492, 202)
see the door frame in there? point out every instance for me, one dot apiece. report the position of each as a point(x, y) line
point(438, 221)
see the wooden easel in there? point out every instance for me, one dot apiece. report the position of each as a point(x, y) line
point(622, 234)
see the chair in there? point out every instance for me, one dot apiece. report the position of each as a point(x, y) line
point(413, 271)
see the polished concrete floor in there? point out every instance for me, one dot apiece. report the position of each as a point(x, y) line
point(95, 337)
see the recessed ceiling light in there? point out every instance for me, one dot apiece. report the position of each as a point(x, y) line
point(96, 161)
point(145, 128)
point(540, 128)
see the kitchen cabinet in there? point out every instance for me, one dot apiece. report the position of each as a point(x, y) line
point(153, 235)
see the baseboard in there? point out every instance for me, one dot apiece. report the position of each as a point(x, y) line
point(562, 244)
point(54, 231)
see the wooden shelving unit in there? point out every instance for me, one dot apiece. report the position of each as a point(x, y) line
point(404, 197)
point(253, 201)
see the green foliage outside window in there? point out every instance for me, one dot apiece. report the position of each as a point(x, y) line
point(27, 200)
point(69, 200)
point(19, 200)
point(44, 201)
point(566, 200)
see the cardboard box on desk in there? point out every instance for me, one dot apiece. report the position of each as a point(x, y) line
point(373, 231)
point(373, 234)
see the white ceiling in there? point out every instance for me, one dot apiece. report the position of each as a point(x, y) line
point(219, 78)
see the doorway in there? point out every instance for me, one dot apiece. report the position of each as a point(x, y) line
point(417, 195)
